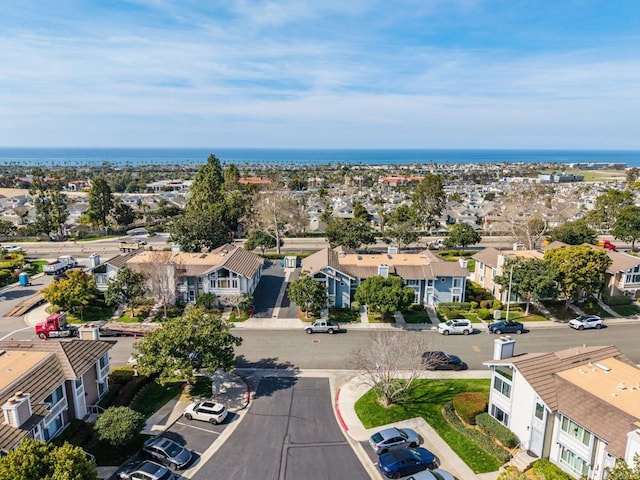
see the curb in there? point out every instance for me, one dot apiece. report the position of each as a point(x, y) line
point(344, 425)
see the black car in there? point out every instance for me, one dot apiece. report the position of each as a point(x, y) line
point(502, 326)
point(435, 360)
point(167, 452)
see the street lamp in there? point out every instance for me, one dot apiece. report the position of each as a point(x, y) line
point(509, 290)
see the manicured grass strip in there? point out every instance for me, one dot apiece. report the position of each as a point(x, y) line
point(425, 399)
point(344, 315)
point(626, 310)
point(153, 396)
point(416, 316)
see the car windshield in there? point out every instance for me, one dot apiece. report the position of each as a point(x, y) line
point(173, 449)
point(581, 318)
point(167, 475)
point(376, 437)
point(403, 434)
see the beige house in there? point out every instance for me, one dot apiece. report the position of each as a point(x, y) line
point(44, 385)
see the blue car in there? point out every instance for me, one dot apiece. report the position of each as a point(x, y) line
point(405, 461)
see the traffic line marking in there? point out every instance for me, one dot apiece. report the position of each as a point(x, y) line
point(197, 428)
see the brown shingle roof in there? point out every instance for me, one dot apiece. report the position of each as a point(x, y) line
point(488, 256)
point(241, 261)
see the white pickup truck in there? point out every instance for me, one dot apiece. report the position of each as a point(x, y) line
point(322, 326)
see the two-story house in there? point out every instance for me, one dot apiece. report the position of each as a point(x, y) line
point(578, 407)
point(44, 385)
point(434, 279)
point(227, 271)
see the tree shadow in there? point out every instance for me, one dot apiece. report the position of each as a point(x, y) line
point(270, 385)
point(272, 363)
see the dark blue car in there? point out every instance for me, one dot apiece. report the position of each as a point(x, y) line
point(405, 461)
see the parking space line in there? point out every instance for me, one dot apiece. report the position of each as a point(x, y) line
point(197, 428)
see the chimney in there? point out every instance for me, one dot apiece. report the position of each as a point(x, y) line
point(383, 270)
point(94, 260)
point(89, 331)
point(463, 262)
point(17, 409)
point(503, 347)
point(175, 248)
point(391, 250)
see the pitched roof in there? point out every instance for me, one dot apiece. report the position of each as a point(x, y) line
point(488, 256)
point(539, 369)
point(241, 261)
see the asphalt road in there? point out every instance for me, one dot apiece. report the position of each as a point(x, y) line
point(295, 349)
point(289, 433)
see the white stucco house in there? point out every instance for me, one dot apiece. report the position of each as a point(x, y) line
point(579, 407)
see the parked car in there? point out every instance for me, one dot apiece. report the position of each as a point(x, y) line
point(12, 248)
point(207, 411)
point(405, 461)
point(456, 326)
point(148, 471)
point(393, 437)
point(588, 321)
point(436, 360)
point(437, 474)
point(167, 452)
point(502, 326)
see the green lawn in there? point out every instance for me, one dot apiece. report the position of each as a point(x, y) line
point(376, 317)
point(416, 314)
point(153, 396)
point(626, 310)
point(344, 315)
point(243, 316)
point(558, 310)
point(472, 317)
point(592, 308)
point(425, 400)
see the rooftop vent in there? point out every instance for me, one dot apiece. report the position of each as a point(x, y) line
point(601, 366)
point(622, 386)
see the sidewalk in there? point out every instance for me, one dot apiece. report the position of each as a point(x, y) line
point(350, 392)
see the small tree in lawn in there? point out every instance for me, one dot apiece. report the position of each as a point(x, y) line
point(78, 290)
point(385, 295)
point(125, 288)
point(260, 239)
point(462, 235)
point(532, 279)
point(117, 426)
point(207, 300)
point(391, 361)
point(308, 294)
point(623, 471)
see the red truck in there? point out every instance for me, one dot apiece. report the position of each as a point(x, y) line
point(607, 245)
point(56, 326)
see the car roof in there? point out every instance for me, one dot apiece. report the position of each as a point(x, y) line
point(150, 468)
point(388, 432)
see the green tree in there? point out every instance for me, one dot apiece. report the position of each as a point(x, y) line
point(623, 471)
point(402, 226)
point(360, 212)
point(633, 174)
point(385, 295)
point(7, 228)
point(607, 206)
point(117, 426)
point(259, 239)
point(462, 235)
point(123, 214)
point(576, 232)
point(297, 183)
point(531, 279)
point(579, 270)
point(308, 294)
point(349, 232)
point(50, 204)
point(196, 232)
point(78, 290)
point(231, 176)
point(207, 300)
point(627, 226)
point(34, 459)
point(429, 199)
point(167, 352)
point(207, 187)
point(125, 288)
point(100, 202)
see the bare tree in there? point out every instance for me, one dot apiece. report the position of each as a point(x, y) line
point(391, 361)
point(528, 212)
point(275, 213)
point(162, 273)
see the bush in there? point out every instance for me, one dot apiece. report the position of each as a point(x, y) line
point(616, 301)
point(118, 425)
point(483, 314)
point(129, 390)
point(121, 375)
point(355, 306)
point(486, 304)
point(480, 438)
point(496, 304)
point(550, 471)
point(457, 305)
point(474, 305)
point(498, 431)
point(469, 404)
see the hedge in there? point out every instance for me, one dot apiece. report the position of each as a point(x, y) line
point(480, 438)
point(456, 305)
point(498, 431)
point(469, 404)
point(484, 314)
point(616, 301)
point(550, 471)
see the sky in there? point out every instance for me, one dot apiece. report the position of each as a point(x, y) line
point(503, 74)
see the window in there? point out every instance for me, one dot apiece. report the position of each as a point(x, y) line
point(500, 415)
point(78, 383)
point(502, 386)
point(103, 387)
point(576, 431)
point(56, 396)
point(539, 413)
point(430, 283)
point(54, 427)
point(573, 462)
point(633, 275)
point(104, 361)
point(457, 282)
point(413, 283)
point(456, 298)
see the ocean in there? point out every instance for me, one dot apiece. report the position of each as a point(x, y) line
point(77, 157)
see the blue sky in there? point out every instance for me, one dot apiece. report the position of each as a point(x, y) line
point(321, 73)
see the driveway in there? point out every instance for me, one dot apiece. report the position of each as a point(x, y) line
point(289, 433)
point(266, 293)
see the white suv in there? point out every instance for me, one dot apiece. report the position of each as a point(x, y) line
point(207, 411)
point(456, 326)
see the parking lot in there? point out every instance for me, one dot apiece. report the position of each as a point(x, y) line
point(289, 433)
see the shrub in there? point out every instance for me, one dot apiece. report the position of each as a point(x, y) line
point(483, 313)
point(496, 304)
point(474, 305)
point(615, 301)
point(480, 438)
point(118, 425)
point(469, 404)
point(550, 471)
point(498, 431)
point(129, 390)
point(355, 306)
point(457, 305)
point(486, 304)
point(121, 375)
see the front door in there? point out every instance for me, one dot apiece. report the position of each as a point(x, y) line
point(536, 442)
